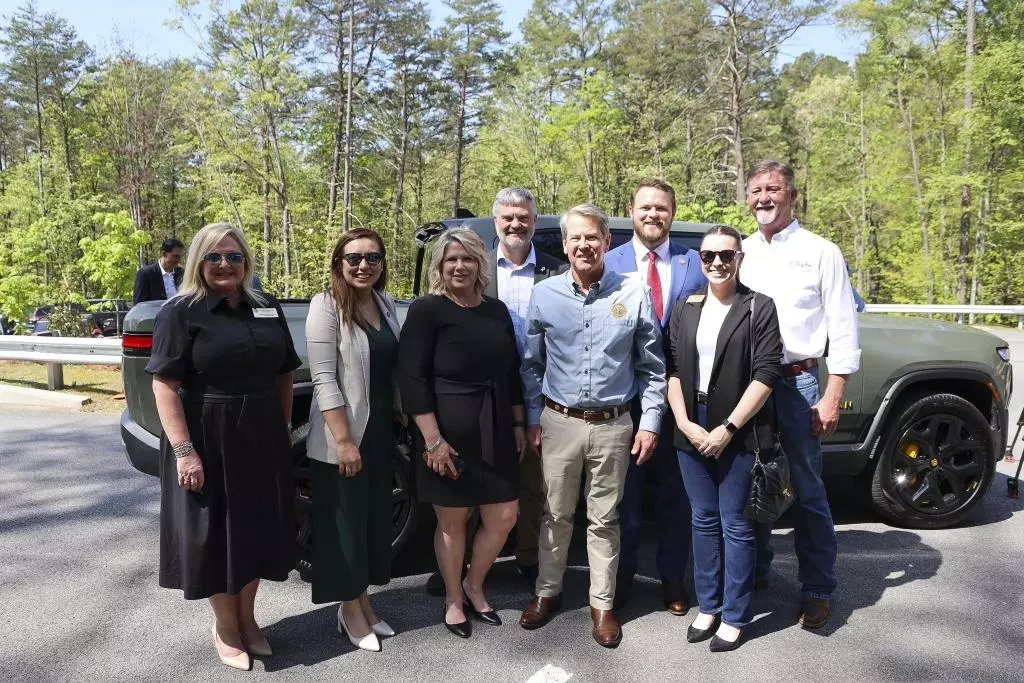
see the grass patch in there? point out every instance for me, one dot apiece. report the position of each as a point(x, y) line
point(101, 383)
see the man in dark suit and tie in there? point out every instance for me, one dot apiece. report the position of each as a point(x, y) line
point(513, 268)
point(673, 273)
point(161, 280)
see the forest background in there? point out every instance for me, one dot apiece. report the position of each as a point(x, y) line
point(301, 119)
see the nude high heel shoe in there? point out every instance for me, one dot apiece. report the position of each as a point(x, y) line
point(368, 642)
point(239, 661)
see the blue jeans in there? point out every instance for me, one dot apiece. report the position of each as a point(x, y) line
point(814, 535)
point(718, 489)
point(671, 511)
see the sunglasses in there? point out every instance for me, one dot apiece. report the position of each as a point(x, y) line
point(708, 256)
point(232, 257)
point(374, 258)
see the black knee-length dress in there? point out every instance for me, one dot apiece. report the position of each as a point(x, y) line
point(240, 527)
point(462, 364)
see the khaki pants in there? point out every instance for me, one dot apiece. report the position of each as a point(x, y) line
point(531, 508)
point(571, 448)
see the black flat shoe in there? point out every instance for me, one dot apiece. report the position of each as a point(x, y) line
point(489, 617)
point(723, 645)
point(696, 635)
point(461, 629)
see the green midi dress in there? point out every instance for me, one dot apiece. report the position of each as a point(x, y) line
point(352, 515)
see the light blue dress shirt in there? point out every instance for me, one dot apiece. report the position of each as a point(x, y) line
point(514, 286)
point(594, 350)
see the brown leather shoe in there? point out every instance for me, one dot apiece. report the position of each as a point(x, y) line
point(607, 631)
point(539, 612)
point(673, 595)
point(814, 612)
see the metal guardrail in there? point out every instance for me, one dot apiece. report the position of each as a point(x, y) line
point(57, 352)
point(951, 309)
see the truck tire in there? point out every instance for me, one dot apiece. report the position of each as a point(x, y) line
point(936, 461)
point(405, 509)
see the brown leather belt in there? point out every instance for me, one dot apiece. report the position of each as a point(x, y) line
point(590, 414)
point(797, 367)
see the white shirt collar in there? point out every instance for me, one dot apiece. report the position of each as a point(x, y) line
point(781, 235)
point(663, 250)
point(505, 262)
point(165, 272)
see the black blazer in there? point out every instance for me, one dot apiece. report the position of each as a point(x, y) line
point(731, 373)
point(547, 266)
point(149, 282)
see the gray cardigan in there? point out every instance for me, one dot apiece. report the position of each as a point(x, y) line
point(339, 363)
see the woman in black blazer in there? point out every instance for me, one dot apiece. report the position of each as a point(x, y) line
point(722, 367)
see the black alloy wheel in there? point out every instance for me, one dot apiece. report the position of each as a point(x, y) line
point(935, 463)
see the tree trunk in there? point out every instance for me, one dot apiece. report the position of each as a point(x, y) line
point(339, 119)
point(403, 153)
point(460, 132)
point(268, 234)
point(37, 77)
point(347, 206)
point(922, 211)
point(588, 160)
point(965, 190)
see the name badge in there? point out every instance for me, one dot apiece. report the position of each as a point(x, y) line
point(264, 312)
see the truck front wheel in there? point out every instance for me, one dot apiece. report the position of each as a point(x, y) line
point(935, 463)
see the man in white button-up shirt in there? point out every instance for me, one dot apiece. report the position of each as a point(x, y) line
point(806, 276)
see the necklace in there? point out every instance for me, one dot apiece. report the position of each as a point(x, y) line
point(457, 302)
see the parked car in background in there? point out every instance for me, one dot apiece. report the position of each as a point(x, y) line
point(108, 315)
point(40, 319)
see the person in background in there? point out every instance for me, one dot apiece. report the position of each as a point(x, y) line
point(593, 343)
point(673, 272)
point(806, 276)
point(724, 353)
point(222, 367)
point(459, 378)
point(160, 280)
point(513, 269)
point(352, 338)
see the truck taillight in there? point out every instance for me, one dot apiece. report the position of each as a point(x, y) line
point(136, 344)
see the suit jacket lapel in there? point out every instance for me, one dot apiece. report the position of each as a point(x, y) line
point(736, 315)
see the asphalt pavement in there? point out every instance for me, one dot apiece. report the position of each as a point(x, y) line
point(79, 598)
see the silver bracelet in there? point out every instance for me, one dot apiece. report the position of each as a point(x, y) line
point(182, 449)
point(433, 447)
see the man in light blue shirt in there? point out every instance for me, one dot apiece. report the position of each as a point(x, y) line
point(593, 343)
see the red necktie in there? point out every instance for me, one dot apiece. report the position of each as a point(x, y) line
point(654, 282)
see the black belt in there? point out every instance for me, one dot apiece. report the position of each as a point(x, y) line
point(797, 367)
point(588, 414)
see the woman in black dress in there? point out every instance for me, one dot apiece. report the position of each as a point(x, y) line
point(459, 378)
point(222, 377)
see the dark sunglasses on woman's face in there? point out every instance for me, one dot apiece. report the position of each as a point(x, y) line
point(374, 258)
point(232, 257)
point(708, 256)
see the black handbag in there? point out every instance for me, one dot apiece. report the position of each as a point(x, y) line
point(771, 488)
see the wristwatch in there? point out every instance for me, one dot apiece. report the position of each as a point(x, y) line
point(729, 426)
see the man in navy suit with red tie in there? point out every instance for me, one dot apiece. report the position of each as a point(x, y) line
point(673, 273)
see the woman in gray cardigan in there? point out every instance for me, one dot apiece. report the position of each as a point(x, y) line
point(352, 338)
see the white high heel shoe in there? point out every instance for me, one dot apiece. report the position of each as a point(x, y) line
point(240, 661)
point(383, 629)
point(368, 642)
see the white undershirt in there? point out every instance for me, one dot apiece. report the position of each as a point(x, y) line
point(711, 318)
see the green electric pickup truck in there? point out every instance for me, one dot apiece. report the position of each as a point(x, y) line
point(922, 424)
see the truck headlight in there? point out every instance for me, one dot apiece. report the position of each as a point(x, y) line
point(1004, 353)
